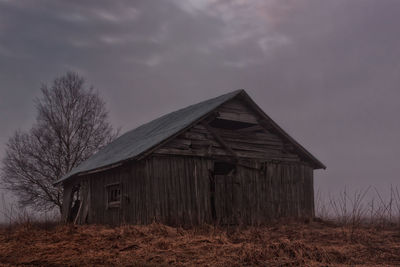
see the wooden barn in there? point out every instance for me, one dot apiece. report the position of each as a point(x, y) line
point(219, 161)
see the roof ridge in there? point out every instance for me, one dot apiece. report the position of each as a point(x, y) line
point(143, 139)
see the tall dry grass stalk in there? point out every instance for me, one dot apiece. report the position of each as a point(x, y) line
point(14, 216)
point(354, 210)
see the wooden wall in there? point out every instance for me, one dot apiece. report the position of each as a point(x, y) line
point(176, 190)
point(272, 190)
point(254, 142)
point(134, 203)
point(161, 189)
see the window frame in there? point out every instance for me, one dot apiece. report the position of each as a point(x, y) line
point(109, 189)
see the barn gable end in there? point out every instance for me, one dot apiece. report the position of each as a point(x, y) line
point(232, 130)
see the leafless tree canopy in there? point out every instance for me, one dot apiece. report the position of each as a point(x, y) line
point(71, 125)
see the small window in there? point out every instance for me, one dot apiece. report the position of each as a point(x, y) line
point(113, 195)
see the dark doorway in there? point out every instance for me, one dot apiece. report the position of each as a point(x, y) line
point(221, 192)
point(75, 204)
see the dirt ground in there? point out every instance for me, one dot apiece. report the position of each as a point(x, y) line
point(283, 244)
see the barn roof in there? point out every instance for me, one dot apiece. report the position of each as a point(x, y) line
point(138, 141)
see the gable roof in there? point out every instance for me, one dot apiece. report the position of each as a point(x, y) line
point(138, 141)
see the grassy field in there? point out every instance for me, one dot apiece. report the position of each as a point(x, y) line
point(280, 244)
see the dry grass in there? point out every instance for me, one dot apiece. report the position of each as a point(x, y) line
point(354, 232)
point(281, 244)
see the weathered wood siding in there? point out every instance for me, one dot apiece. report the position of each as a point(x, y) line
point(179, 190)
point(272, 190)
point(198, 141)
point(176, 190)
point(255, 142)
point(161, 189)
point(133, 183)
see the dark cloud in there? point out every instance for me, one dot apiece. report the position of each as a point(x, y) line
point(327, 71)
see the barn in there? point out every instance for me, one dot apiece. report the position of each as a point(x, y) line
point(222, 161)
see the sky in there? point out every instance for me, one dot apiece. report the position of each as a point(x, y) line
point(326, 71)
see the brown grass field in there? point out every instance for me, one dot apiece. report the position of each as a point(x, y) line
point(279, 244)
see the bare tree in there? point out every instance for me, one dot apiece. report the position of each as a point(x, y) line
point(71, 125)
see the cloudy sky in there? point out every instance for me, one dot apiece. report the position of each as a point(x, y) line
point(327, 71)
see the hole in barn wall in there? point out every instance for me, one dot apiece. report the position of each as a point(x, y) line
point(230, 125)
point(223, 168)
